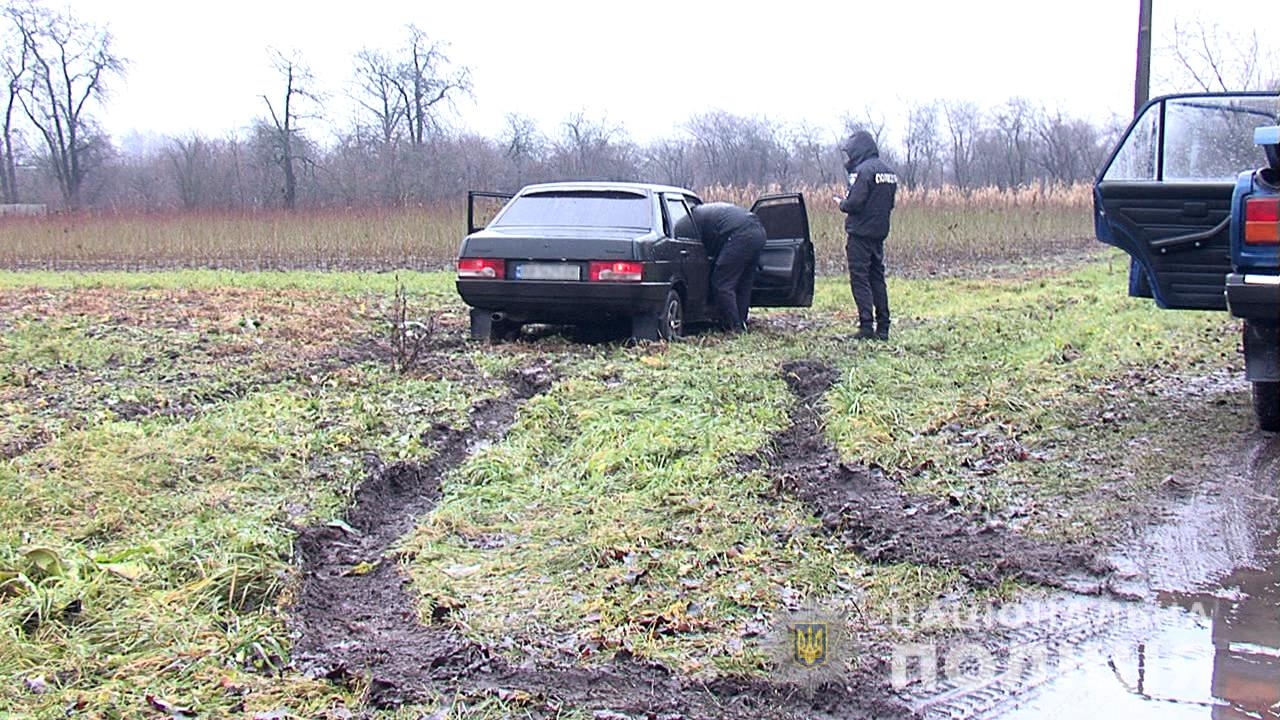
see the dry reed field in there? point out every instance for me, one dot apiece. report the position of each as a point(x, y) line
point(948, 231)
point(935, 232)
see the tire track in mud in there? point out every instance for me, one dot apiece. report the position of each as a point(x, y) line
point(883, 523)
point(1038, 642)
point(354, 627)
point(348, 624)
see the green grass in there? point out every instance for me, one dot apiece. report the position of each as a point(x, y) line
point(1022, 397)
point(148, 552)
point(177, 534)
point(1006, 392)
point(621, 523)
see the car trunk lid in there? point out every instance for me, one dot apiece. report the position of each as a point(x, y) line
point(549, 243)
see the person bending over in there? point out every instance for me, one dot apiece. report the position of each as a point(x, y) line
point(735, 237)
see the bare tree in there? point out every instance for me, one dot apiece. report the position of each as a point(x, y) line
point(1068, 149)
point(1213, 60)
point(285, 134)
point(426, 80)
point(405, 92)
point(922, 146)
point(670, 161)
point(964, 122)
point(871, 121)
point(817, 158)
point(592, 149)
point(379, 91)
point(737, 150)
point(13, 57)
point(1012, 134)
point(68, 63)
point(405, 89)
point(523, 145)
point(379, 83)
point(189, 159)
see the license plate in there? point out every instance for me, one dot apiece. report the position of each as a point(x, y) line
point(548, 271)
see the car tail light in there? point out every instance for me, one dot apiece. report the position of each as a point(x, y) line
point(1262, 221)
point(616, 271)
point(486, 268)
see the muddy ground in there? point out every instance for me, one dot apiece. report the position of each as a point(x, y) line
point(1191, 628)
point(881, 522)
point(356, 619)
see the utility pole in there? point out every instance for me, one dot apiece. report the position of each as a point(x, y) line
point(1142, 83)
point(1139, 285)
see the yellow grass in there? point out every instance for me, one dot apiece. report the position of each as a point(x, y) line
point(421, 237)
point(941, 231)
point(934, 231)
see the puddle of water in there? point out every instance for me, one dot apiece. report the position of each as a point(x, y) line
point(1209, 655)
point(1203, 642)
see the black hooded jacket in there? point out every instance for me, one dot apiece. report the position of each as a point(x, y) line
point(872, 188)
point(718, 220)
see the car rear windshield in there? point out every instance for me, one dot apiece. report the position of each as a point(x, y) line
point(578, 209)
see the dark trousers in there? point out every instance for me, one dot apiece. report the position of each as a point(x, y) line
point(866, 279)
point(733, 275)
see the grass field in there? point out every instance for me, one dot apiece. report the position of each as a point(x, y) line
point(167, 434)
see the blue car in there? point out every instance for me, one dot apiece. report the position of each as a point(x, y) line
point(1192, 193)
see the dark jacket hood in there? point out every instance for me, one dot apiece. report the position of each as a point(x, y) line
point(860, 147)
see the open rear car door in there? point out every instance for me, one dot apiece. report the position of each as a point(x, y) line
point(482, 206)
point(1164, 195)
point(784, 277)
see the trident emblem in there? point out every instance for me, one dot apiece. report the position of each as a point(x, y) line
point(810, 644)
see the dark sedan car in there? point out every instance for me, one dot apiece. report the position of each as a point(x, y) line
point(594, 253)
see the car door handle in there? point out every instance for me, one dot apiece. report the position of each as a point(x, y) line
point(1164, 244)
point(684, 253)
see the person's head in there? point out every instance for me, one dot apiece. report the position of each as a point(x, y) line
point(859, 147)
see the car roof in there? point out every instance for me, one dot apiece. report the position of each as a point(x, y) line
point(603, 186)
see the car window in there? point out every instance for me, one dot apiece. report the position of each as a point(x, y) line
point(1136, 158)
point(1193, 139)
point(681, 221)
point(1212, 139)
point(578, 208)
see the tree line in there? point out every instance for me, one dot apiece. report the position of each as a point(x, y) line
point(403, 149)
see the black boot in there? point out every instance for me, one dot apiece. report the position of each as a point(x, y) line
point(866, 332)
point(882, 330)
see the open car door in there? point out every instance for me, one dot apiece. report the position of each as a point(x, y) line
point(784, 277)
point(482, 206)
point(1164, 195)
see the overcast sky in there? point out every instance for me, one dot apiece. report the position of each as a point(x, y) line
point(203, 66)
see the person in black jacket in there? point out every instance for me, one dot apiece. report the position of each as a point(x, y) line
point(867, 205)
point(735, 237)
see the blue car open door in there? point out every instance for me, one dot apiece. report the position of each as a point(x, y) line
point(1164, 195)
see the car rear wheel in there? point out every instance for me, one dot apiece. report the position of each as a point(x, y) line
point(1266, 403)
point(671, 321)
point(664, 323)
